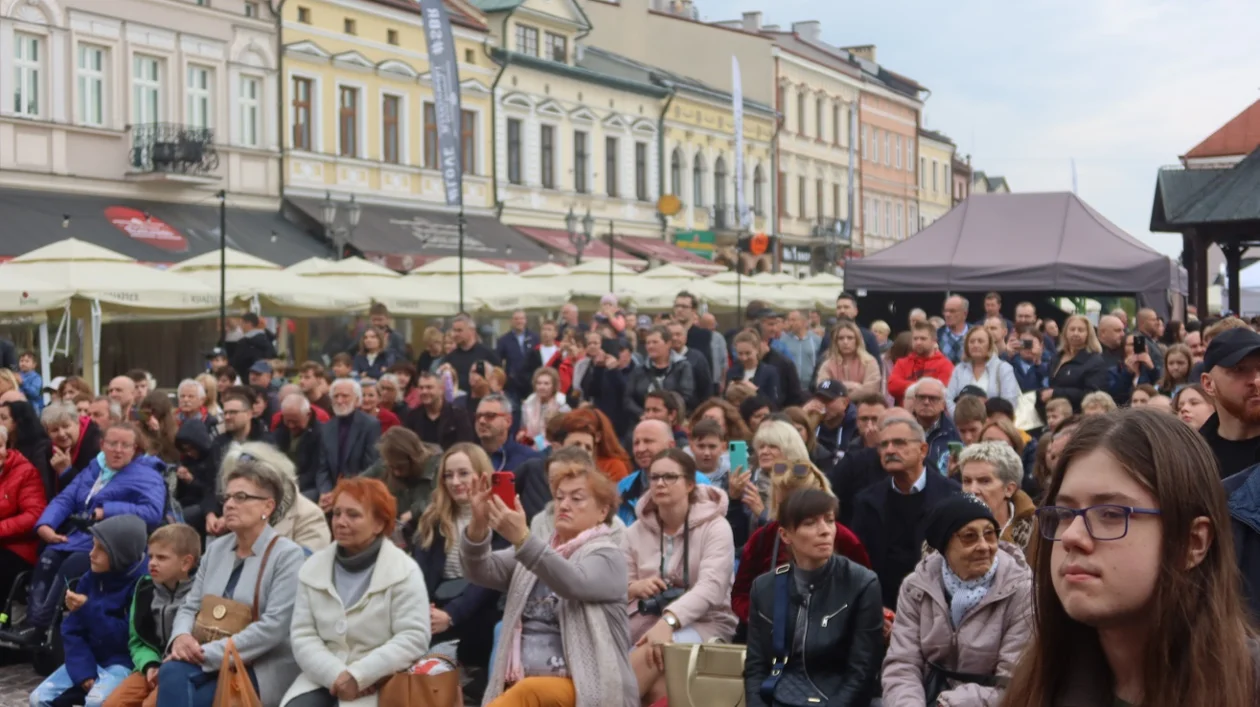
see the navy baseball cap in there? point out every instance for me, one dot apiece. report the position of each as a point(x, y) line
point(1230, 347)
point(830, 390)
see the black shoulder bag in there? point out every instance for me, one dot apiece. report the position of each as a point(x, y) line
point(937, 681)
point(782, 689)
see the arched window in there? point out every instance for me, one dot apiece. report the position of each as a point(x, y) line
point(697, 181)
point(759, 186)
point(719, 183)
point(675, 173)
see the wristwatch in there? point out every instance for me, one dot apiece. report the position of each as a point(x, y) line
point(672, 621)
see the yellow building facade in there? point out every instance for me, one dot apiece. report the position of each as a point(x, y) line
point(568, 136)
point(936, 157)
point(357, 104)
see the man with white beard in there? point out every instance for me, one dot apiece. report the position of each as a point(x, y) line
point(348, 440)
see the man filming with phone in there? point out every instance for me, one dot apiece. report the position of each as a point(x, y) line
point(1026, 358)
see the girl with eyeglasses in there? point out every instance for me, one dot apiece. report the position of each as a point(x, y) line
point(680, 555)
point(1137, 594)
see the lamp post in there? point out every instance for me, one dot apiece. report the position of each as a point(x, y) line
point(222, 265)
point(328, 213)
point(578, 239)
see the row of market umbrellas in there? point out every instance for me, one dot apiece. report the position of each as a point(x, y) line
point(51, 277)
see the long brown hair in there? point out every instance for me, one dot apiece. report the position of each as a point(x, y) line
point(1197, 652)
point(736, 429)
point(439, 516)
point(160, 444)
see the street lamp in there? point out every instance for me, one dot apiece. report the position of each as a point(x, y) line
point(579, 239)
point(328, 212)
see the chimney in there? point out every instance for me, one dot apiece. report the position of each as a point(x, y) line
point(752, 21)
point(810, 31)
point(866, 51)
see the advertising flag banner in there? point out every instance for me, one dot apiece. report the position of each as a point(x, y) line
point(444, 76)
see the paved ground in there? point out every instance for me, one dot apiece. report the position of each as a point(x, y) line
point(16, 683)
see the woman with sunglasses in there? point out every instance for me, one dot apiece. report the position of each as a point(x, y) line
point(679, 556)
point(1137, 595)
point(963, 615)
point(764, 550)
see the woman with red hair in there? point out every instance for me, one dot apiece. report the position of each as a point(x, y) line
point(593, 431)
point(358, 617)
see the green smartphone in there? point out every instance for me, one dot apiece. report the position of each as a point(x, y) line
point(738, 452)
point(955, 448)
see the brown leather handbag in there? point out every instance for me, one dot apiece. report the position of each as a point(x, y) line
point(415, 689)
point(220, 617)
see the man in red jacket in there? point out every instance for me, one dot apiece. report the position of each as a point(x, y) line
point(924, 360)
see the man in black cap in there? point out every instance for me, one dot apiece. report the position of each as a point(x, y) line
point(216, 358)
point(1231, 375)
point(831, 404)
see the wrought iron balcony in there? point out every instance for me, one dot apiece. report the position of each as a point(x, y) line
point(173, 148)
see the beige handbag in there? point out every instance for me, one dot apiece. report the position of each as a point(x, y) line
point(704, 674)
point(220, 617)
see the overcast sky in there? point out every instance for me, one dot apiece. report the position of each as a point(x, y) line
point(1121, 86)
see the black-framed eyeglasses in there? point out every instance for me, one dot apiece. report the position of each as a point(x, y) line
point(668, 478)
point(1102, 522)
point(241, 497)
point(798, 470)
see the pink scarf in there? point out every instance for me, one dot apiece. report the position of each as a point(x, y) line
point(515, 670)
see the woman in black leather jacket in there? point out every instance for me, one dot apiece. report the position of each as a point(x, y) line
point(833, 620)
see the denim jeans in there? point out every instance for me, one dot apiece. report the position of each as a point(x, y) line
point(183, 684)
point(106, 680)
point(54, 570)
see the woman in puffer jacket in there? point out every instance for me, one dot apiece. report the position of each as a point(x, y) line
point(963, 616)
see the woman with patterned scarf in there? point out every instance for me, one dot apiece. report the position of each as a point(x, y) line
point(566, 637)
point(963, 616)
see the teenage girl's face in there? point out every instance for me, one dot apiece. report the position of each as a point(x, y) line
point(1106, 583)
point(458, 477)
point(1178, 367)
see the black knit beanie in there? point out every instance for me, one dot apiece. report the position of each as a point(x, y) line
point(945, 518)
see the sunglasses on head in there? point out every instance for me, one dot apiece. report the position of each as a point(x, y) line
point(798, 469)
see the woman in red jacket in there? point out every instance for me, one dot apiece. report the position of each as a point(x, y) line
point(756, 559)
point(21, 503)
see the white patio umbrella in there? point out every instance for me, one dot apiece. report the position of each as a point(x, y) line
point(726, 291)
point(546, 270)
point(104, 284)
point(489, 287)
point(824, 280)
point(402, 296)
point(266, 286)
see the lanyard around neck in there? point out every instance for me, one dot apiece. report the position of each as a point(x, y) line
point(686, 546)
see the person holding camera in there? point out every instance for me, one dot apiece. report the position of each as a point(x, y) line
point(680, 557)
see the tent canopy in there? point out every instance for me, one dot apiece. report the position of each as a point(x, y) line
point(1017, 242)
point(277, 292)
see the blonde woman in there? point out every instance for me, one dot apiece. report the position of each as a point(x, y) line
point(214, 413)
point(9, 381)
point(775, 443)
point(460, 610)
point(981, 366)
point(848, 361)
point(546, 400)
point(433, 351)
point(1079, 367)
point(763, 553)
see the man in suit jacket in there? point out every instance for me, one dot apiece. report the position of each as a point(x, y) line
point(513, 348)
point(349, 439)
point(699, 362)
point(699, 339)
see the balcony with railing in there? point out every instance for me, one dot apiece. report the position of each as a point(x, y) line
point(173, 151)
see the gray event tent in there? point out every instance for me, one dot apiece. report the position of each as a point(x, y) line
point(1047, 242)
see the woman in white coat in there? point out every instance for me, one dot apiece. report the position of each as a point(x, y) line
point(360, 613)
point(982, 367)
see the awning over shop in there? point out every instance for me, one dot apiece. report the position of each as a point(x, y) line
point(595, 250)
point(667, 252)
point(400, 238)
point(148, 231)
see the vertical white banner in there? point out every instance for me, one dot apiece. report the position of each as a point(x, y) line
point(742, 217)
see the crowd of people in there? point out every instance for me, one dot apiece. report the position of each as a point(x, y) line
point(873, 514)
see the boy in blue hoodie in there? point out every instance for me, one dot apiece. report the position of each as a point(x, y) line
point(95, 631)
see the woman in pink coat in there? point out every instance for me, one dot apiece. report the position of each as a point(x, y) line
point(963, 616)
point(680, 555)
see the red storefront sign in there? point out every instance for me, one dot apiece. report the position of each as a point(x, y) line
point(146, 228)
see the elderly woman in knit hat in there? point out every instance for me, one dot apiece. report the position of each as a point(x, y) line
point(963, 615)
